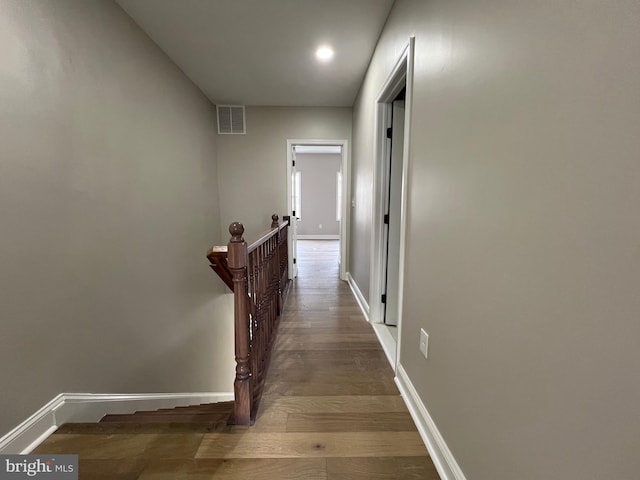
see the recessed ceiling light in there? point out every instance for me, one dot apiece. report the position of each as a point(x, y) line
point(324, 53)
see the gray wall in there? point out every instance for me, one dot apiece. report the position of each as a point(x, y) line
point(523, 258)
point(257, 162)
point(362, 158)
point(108, 202)
point(319, 196)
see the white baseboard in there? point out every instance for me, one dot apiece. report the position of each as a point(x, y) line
point(387, 342)
point(362, 302)
point(318, 237)
point(440, 454)
point(91, 407)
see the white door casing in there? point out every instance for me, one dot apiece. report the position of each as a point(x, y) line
point(346, 190)
point(401, 76)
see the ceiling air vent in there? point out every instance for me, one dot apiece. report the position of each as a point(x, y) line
point(231, 119)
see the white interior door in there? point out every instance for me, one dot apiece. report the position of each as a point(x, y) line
point(295, 206)
point(392, 218)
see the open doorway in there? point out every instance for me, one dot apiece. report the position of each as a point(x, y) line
point(317, 186)
point(394, 170)
point(389, 221)
point(318, 191)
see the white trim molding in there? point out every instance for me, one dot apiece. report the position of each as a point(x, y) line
point(346, 192)
point(318, 237)
point(443, 459)
point(362, 302)
point(91, 407)
point(387, 342)
point(400, 76)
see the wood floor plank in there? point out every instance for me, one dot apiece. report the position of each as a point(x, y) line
point(110, 469)
point(363, 365)
point(338, 374)
point(98, 446)
point(385, 468)
point(351, 338)
point(312, 445)
point(234, 469)
point(321, 357)
point(360, 369)
point(350, 422)
point(329, 325)
point(124, 446)
point(316, 388)
point(326, 329)
point(336, 404)
point(336, 345)
point(275, 411)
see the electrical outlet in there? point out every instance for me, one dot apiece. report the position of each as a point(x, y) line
point(320, 226)
point(424, 343)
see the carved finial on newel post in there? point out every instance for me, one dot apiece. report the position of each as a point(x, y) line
point(237, 261)
point(236, 229)
point(274, 221)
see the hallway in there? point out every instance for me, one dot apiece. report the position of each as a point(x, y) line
point(330, 390)
point(136, 131)
point(330, 410)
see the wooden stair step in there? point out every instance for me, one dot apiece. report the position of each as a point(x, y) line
point(182, 410)
point(133, 428)
point(209, 407)
point(207, 413)
point(166, 418)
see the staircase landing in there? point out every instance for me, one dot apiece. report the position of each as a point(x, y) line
point(330, 409)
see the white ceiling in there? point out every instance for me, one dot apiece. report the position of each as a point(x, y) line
point(261, 52)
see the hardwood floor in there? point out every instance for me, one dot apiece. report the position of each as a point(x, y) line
point(330, 411)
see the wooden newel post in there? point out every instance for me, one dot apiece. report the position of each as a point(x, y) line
point(237, 261)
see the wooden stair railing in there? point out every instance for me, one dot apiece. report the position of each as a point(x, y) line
point(258, 274)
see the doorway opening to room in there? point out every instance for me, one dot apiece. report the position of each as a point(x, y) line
point(317, 189)
point(390, 185)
